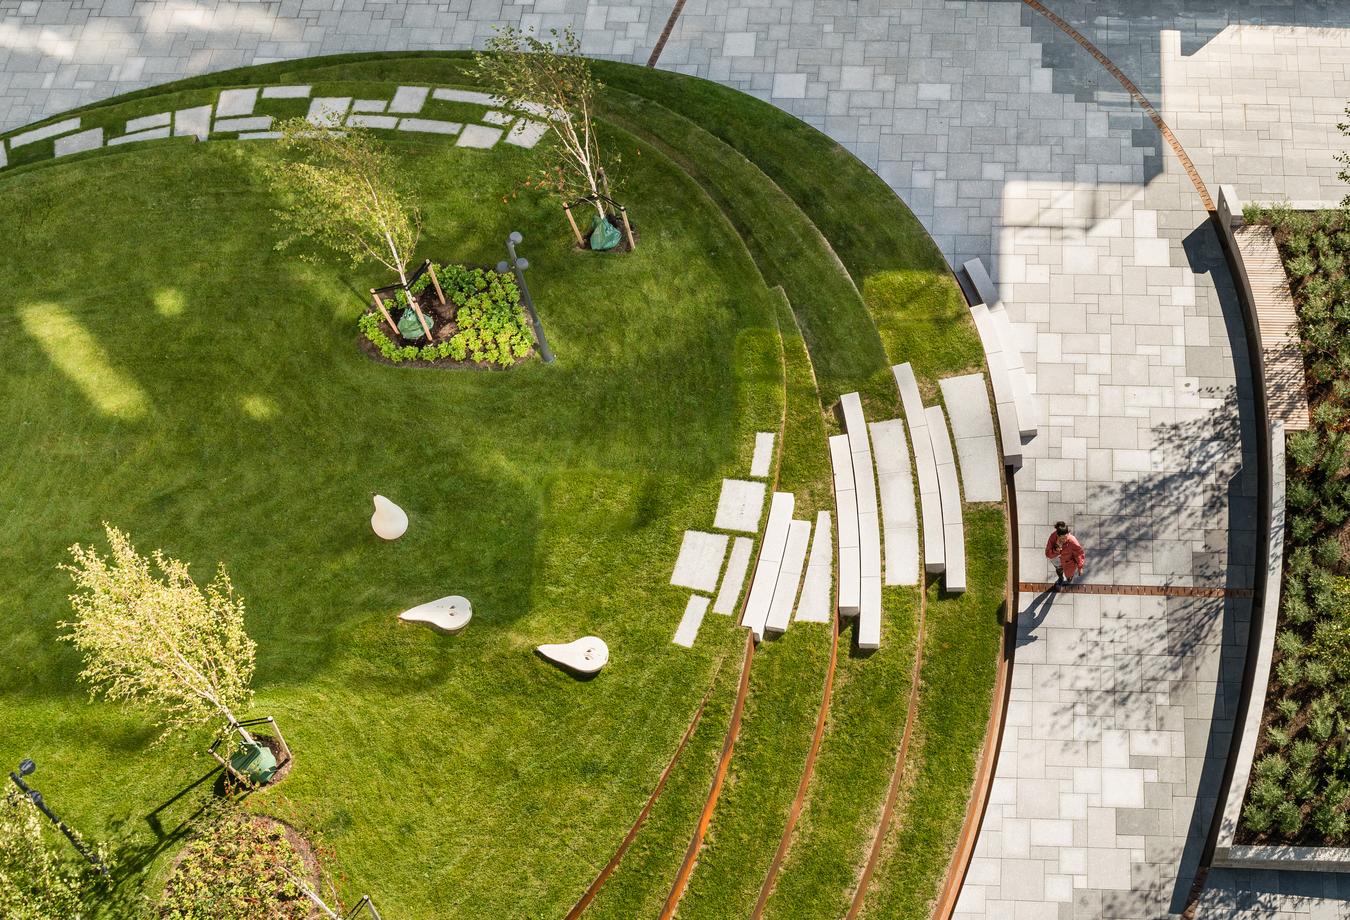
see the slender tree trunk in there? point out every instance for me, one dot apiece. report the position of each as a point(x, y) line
point(234, 724)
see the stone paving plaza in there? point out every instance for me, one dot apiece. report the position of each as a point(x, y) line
point(1012, 144)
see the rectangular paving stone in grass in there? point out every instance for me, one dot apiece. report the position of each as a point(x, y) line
point(480, 136)
point(4, 161)
point(687, 631)
point(385, 122)
point(260, 135)
point(326, 110)
point(369, 105)
point(285, 92)
point(789, 577)
point(526, 133)
point(429, 126)
point(39, 134)
point(734, 579)
point(763, 458)
point(251, 123)
point(739, 506)
point(498, 118)
point(967, 403)
point(158, 120)
point(409, 99)
point(193, 122)
point(78, 143)
point(461, 95)
point(236, 102)
point(700, 560)
point(151, 135)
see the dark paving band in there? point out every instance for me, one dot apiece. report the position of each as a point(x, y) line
point(1036, 587)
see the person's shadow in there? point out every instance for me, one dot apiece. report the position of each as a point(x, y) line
point(1034, 615)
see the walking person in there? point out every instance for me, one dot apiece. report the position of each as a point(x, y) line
point(1065, 554)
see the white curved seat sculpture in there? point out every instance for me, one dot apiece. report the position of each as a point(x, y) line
point(586, 655)
point(448, 614)
point(389, 520)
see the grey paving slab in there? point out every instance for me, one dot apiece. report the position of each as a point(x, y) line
point(193, 122)
point(328, 110)
point(409, 100)
point(235, 102)
point(687, 631)
point(734, 578)
point(64, 126)
point(899, 514)
point(739, 506)
point(478, 136)
point(363, 120)
point(765, 580)
point(762, 461)
point(286, 92)
point(78, 143)
point(251, 123)
point(429, 126)
point(152, 134)
point(967, 402)
point(370, 105)
point(526, 133)
point(700, 560)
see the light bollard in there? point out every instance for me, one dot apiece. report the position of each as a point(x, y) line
point(518, 266)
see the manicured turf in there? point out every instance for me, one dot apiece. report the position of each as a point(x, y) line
point(841, 246)
point(166, 371)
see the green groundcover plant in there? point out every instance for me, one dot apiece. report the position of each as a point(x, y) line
point(1300, 788)
point(490, 325)
point(237, 867)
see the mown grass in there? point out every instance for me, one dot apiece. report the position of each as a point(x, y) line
point(917, 314)
point(166, 371)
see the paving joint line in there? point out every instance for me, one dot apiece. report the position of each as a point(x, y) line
point(1134, 92)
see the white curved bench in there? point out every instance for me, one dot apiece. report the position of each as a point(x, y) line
point(930, 500)
point(846, 509)
point(953, 531)
point(448, 614)
point(765, 582)
point(1006, 343)
point(586, 655)
point(869, 522)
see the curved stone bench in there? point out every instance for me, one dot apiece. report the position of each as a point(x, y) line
point(869, 522)
point(930, 500)
point(899, 513)
point(447, 614)
point(1005, 402)
point(846, 508)
point(953, 530)
point(1006, 344)
point(765, 581)
point(586, 655)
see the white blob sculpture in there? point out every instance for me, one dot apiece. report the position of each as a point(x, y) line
point(448, 614)
point(389, 520)
point(586, 655)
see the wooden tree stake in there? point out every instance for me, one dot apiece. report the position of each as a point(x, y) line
point(567, 209)
point(440, 295)
point(387, 318)
point(627, 228)
point(420, 318)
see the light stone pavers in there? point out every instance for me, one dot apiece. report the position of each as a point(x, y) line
point(739, 505)
point(734, 579)
point(700, 560)
point(687, 631)
point(1012, 145)
point(762, 460)
point(967, 403)
point(815, 606)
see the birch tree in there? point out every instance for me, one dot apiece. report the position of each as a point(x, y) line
point(549, 80)
point(342, 189)
point(157, 639)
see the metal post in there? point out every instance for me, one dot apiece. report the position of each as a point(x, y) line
point(26, 768)
point(519, 265)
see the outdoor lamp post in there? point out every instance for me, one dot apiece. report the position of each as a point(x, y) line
point(26, 768)
point(519, 265)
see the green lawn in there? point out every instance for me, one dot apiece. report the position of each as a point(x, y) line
point(168, 372)
point(569, 485)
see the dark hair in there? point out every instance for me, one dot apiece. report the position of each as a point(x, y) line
point(1061, 527)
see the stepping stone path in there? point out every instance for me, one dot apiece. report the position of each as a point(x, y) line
point(763, 459)
point(700, 560)
point(235, 112)
point(900, 518)
point(691, 621)
point(734, 579)
point(815, 602)
point(739, 506)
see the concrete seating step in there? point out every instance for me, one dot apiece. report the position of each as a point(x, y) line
point(814, 604)
point(687, 631)
point(700, 560)
point(1027, 421)
point(953, 536)
point(869, 522)
point(1005, 402)
point(930, 500)
point(765, 581)
point(899, 515)
point(763, 459)
point(967, 403)
point(846, 509)
point(789, 577)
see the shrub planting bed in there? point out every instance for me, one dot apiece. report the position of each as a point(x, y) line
point(1300, 785)
point(480, 325)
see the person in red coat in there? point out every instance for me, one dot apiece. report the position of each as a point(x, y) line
point(1065, 554)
